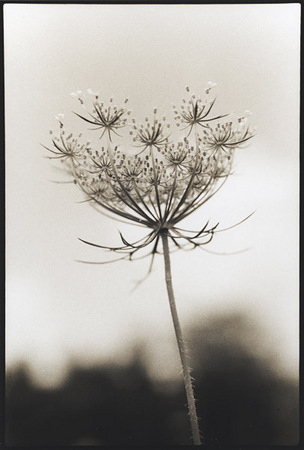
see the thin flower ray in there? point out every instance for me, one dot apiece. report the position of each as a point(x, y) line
point(131, 246)
point(92, 122)
point(209, 236)
point(212, 119)
point(109, 131)
point(122, 213)
point(181, 212)
point(236, 224)
point(135, 206)
point(60, 154)
point(173, 239)
point(190, 231)
point(102, 119)
point(147, 241)
point(201, 234)
point(101, 262)
point(236, 252)
point(234, 144)
point(128, 256)
point(113, 217)
point(115, 210)
point(186, 192)
point(171, 197)
point(56, 157)
point(141, 243)
point(50, 150)
point(198, 233)
point(154, 217)
point(155, 174)
point(85, 200)
point(119, 212)
point(194, 206)
point(61, 182)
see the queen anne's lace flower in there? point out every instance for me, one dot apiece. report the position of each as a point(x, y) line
point(164, 182)
point(156, 185)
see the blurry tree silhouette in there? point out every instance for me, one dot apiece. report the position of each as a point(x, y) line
point(115, 405)
point(241, 400)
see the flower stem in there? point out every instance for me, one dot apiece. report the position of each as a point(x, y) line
point(181, 345)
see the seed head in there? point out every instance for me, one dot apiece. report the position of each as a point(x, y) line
point(164, 182)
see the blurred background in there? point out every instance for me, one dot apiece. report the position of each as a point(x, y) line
point(242, 398)
point(89, 359)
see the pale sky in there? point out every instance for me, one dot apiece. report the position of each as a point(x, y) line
point(59, 310)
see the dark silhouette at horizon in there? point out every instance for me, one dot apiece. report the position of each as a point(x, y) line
point(240, 399)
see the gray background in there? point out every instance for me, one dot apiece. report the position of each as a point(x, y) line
point(61, 312)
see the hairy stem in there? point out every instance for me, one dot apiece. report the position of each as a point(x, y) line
point(181, 345)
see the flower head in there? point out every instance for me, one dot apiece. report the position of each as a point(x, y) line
point(165, 181)
point(196, 110)
point(226, 136)
point(66, 148)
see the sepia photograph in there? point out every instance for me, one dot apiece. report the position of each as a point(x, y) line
point(152, 225)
